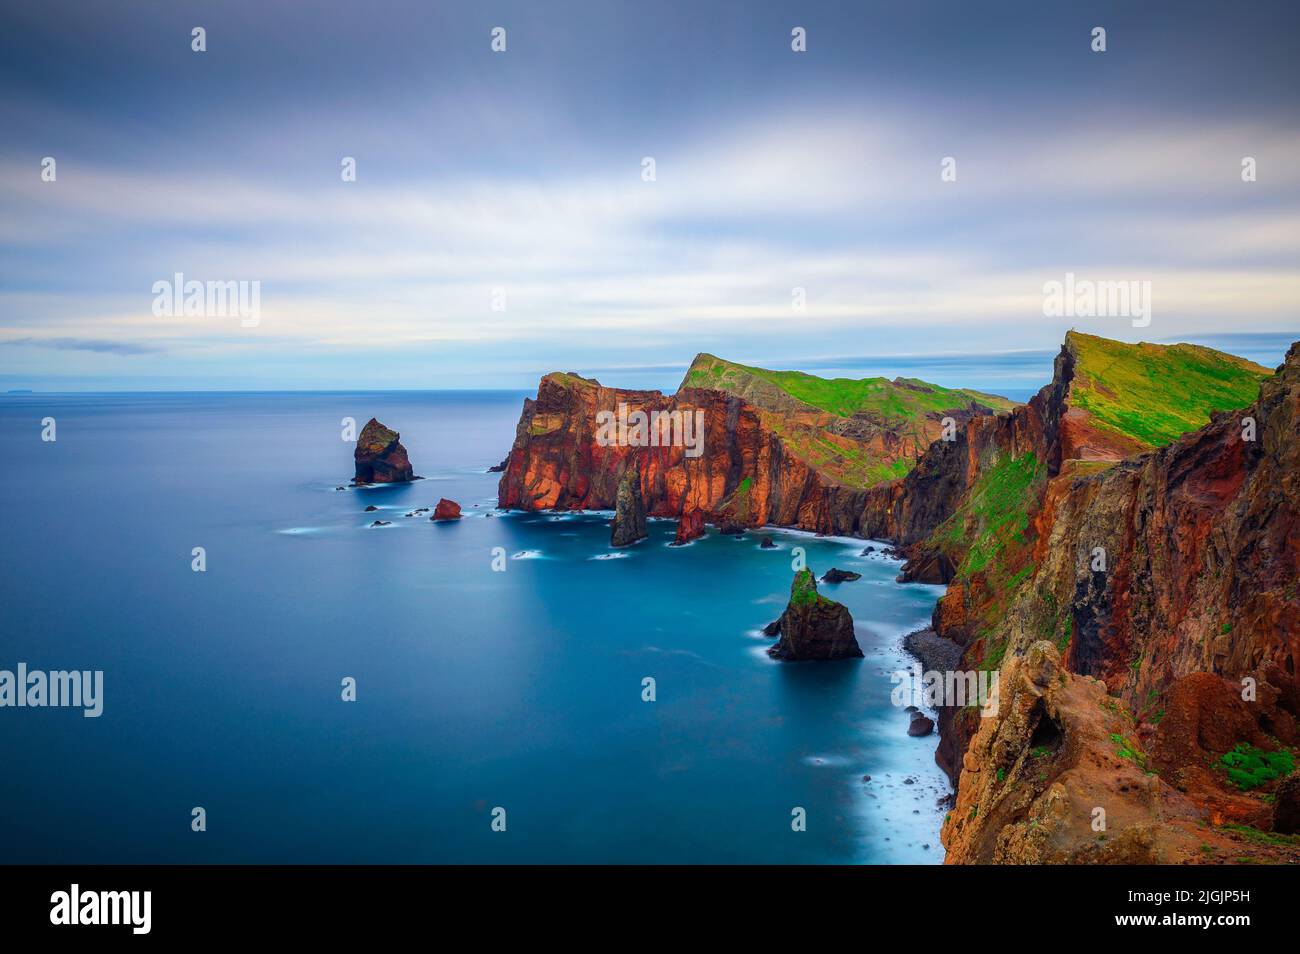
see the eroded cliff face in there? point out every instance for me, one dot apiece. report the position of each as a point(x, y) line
point(791, 465)
point(1171, 580)
point(1059, 775)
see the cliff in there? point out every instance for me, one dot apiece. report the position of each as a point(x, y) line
point(743, 446)
point(1060, 776)
point(1170, 579)
point(995, 493)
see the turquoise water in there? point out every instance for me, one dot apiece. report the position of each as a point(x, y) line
point(477, 688)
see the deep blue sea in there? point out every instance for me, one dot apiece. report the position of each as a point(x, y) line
point(476, 688)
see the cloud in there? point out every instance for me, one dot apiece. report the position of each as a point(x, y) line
point(84, 344)
point(846, 205)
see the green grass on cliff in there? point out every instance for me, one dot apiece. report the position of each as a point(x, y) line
point(1249, 767)
point(992, 519)
point(853, 465)
point(803, 590)
point(1155, 393)
point(738, 505)
point(901, 406)
point(986, 537)
point(890, 402)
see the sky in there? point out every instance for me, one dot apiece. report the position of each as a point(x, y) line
point(501, 224)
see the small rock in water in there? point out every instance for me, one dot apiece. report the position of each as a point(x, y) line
point(920, 725)
point(835, 575)
point(767, 544)
point(381, 523)
point(371, 509)
point(446, 510)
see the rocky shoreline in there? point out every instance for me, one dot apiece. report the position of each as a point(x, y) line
point(936, 653)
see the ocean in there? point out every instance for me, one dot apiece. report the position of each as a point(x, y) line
point(511, 693)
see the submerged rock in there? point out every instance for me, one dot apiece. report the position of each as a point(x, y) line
point(814, 627)
point(834, 575)
point(446, 510)
point(379, 457)
point(629, 524)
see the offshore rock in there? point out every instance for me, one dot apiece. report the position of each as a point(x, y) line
point(629, 511)
point(379, 457)
point(689, 527)
point(446, 510)
point(814, 627)
point(835, 575)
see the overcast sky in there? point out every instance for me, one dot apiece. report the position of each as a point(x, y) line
point(522, 171)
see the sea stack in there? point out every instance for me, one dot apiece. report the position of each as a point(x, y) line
point(380, 457)
point(629, 510)
point(812, 626)
point(689, 527)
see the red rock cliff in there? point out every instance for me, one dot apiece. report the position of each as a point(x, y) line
point(1171, 581)
point(785, 464)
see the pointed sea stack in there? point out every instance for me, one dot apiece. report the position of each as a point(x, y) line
point(380, 457)
point(689, 527)
point(629, 511)
point(812, 626)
